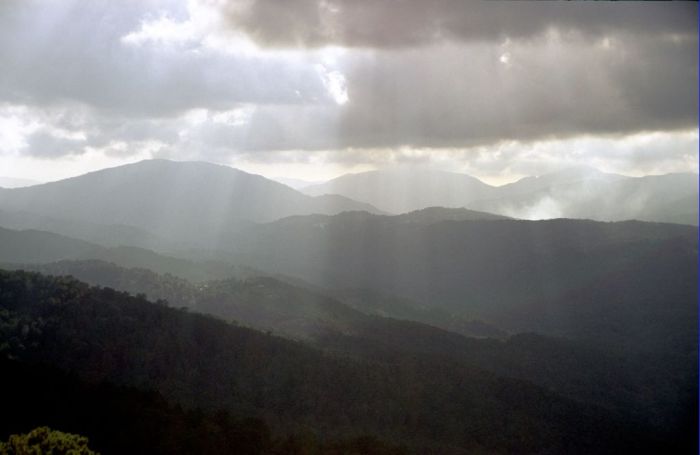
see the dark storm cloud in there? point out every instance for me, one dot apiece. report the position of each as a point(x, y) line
point(452, 96)
point(420, 73)
point(558, 87)
point(403, 23)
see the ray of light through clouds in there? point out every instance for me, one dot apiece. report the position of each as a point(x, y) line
point(316, 88)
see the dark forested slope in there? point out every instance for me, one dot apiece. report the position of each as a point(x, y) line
point(104, 334)
point(587, 372)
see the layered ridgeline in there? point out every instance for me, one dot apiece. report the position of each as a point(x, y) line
point(429, 403)
point(574, 193)
point(626, 286)
point(383, 302)
point(582, 279)
point(246, 295)
point(350, 324)
point(40, 247)
point(160, 203)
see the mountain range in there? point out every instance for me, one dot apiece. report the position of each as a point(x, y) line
point(514, 273)
point(185, 204)
point(226, 308)
point(579, 192)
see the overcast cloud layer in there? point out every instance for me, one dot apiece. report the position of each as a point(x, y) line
point(348, 82)
point(406, 23)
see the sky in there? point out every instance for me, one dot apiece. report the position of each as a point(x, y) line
point(312, 89)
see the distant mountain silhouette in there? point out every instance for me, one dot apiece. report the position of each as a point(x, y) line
point(187, 202)
point(568, 176)
point(578, 192)
point(404, 189)
point(590, 194)
point(297, 184)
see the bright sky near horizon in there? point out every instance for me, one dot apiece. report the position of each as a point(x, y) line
point(313, 89)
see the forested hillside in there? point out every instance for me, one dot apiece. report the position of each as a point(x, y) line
point(519, 275)
point(617, 379)
point(101, 334)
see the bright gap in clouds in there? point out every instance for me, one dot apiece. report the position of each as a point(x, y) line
point(335, 84)
point(632, 155)
point(48, 170)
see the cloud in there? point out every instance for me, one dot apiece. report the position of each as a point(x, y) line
point(635, 154)
point(556, 86)
point(45, 144)
point(181, 79)
point(408, 23)
point(464, 95)
point(106, 55)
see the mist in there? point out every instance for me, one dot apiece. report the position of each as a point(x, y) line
point(348, 227)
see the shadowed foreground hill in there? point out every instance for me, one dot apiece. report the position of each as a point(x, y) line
point(124, 420)
point(578, 371)
point(101, 334)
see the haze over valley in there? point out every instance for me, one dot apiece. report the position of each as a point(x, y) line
point(340, 227)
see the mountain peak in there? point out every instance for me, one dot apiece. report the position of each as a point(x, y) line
point(177, 201)
point(565, 176)
point(405, 189)
point(165, 164)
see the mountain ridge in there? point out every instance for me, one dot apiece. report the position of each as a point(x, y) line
point(180, 202)
point(576, 192)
